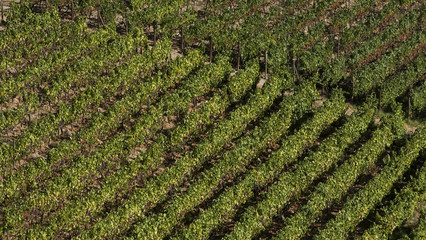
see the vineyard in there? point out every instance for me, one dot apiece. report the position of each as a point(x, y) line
point(212, 119)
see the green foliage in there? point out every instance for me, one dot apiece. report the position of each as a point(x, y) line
point(418, 97)
point(156, 189)
point(67, 113)
point(63, 68)
point(231, 163)
point(398, 84)
point(358, 207)
point(400, 209)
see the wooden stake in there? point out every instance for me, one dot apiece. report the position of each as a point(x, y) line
point(182, 40)
point(127, 25)
point(155, 32)
point(2, 11)
point(295, 70)
point(100, 16)
point(211, 48)
point(266, 64)
point(72, 10)
point(239, 56)
point(338, 46)
point(409, 104)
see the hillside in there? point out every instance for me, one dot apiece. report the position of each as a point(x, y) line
point(212, 119)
